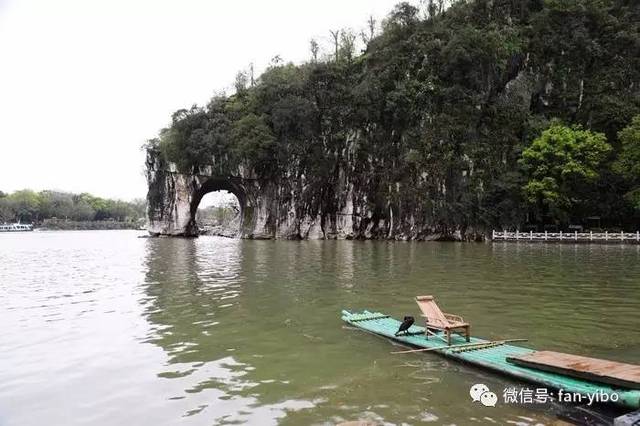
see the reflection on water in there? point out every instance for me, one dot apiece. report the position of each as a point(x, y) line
point(106, 328)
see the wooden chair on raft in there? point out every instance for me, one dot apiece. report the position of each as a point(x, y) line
point(435, 319)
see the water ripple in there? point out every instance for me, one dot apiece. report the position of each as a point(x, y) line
point(107, 328)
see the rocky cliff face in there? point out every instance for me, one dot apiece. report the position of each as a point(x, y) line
point(417, 138)
point(284, 209)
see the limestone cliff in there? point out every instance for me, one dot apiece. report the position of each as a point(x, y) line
point(418, 137)
point(284, 209)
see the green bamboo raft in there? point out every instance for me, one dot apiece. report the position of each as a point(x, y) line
point(491, 357)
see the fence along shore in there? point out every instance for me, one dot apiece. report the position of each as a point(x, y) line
point(580, 237)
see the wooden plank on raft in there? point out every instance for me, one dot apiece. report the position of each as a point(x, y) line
point(592, 369)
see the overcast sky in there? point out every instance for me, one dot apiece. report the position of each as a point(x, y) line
point(84, 83)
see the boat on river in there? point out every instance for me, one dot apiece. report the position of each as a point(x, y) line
point(514, 361)
point(15, 227)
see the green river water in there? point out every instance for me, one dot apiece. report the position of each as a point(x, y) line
point(104, 328)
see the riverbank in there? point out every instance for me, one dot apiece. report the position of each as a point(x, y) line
point(97, 225)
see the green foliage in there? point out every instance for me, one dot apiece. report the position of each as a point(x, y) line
point(255, 141)
point(628, 162)
point(559, 165)
point(25, 205)
point(186, 142)
point(444, 108)
point(403, 14)
point(633, 198)
point(29, 206)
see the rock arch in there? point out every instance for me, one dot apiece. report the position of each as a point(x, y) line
point(173, 199)
point(287, 207)
point(212, 184)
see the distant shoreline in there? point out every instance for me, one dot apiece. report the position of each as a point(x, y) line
point(88, 226)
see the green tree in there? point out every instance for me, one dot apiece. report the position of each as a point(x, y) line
point(82, 211)
point(7, 213)
point(55, 204)
point(29, 206)
point(628, 161)
point(25, 203)
point(185, 142)
point(347, 48)
point(242, 82)
point(139, 207)
point(255, 142)
point(315, 49)
point(559, 164)
point(403, 14)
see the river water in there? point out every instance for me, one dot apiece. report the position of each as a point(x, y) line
point(104, 328)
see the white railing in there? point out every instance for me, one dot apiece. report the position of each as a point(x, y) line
point(629, 237)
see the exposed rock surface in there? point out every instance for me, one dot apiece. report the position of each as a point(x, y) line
point(284, 209)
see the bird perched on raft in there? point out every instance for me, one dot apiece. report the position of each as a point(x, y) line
point(406, 323)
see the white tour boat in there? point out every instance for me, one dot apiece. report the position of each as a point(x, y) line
point(15, 227)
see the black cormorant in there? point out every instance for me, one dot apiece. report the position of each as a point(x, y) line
point(406, 323)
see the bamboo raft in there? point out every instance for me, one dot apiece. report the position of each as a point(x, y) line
point(497, 356)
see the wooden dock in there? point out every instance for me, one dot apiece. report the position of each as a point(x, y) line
point(568, 237)
point(592, 369)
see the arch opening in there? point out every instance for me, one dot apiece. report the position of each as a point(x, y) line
point(217, 209)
